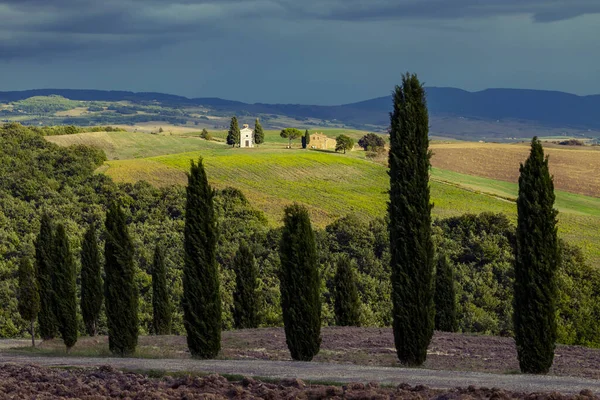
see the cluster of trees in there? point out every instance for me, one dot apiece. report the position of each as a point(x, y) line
point(414, 291)
point(48, 291)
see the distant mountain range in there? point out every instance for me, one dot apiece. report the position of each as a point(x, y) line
point(543, 108)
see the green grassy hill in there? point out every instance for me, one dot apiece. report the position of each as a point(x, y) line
point(329, 184)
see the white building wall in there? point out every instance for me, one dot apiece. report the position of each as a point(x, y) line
point(246, 137)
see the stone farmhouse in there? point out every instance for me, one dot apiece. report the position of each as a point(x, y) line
point(246, 136)
point(321, 142)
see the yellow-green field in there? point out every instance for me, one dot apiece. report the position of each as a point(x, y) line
point(128, 145)
point(329, 184)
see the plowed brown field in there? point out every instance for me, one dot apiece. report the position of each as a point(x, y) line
point(32, 382)
point(576, 169)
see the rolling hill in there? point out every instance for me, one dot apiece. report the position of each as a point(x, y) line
point(491, 113)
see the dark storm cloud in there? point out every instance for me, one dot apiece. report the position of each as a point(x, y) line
point(35, 27)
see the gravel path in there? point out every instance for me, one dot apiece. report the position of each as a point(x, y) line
point(328, 372)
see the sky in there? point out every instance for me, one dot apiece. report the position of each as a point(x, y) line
point(298, 51)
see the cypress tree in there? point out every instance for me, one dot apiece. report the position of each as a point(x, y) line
point(64, 288)
point(245, 305)
point(347, 303)
point(259, 134)
point(161, 322)
point(201, 297)
point(233, 134)
point(120, 291)
point(536, 263)
point(300, 285)
point(445, 297)
point(29, 296)
point(44, 264)
point(306, 140)
point(92, 295)
point(411, 244)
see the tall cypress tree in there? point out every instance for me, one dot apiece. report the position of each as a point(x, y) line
point(201, 297)
point(445, 297)
point(161, 321)
point(306, 139)
point(300, 285)
point(44, 263)
point(92, 294)
point(233, 134)
point(347, 303)
point(259, 134)
point(120, 291)
point(536, 262)
point(245, 305)
point(411, 244)
point(64, 288)
point(29, 296)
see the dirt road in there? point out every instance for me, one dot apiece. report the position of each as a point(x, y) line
point(327, 372)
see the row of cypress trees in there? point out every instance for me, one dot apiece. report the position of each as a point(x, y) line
point(48, 291)
point(412, 249)
point(56, 285)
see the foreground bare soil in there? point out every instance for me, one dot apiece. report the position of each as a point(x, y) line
point(31, 382)
point(360, 346)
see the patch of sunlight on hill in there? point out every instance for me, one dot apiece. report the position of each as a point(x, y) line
point(129, 145)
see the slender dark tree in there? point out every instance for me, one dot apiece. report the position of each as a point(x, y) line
point(29, 296)
point(536, 263)
point(347, 303)
point(201, 298)
point(233, 135)
point(411, 245)
point(300, 285)
point(306, 139)
point(445, 297)
point(44, 263)
point(259, 134)
point(161, 307)
point(64, 288)
point(121, 294)
point(92, 294)
point(245, 305)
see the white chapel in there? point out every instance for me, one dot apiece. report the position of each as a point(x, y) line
point(246, 136)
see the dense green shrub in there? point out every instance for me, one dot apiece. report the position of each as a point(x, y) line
point(161, 307)
point(201, 287)
point(245, 310)
point(346, 303)
point(445, 296)
point(409, 209)
point(300, 285)
point(536, 263)
point(29, 296)
point(45, 271)
point(119, 285)
point(92, 294)
point(64, 285)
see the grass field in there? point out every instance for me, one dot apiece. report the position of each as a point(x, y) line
point(333, 185)
point(130, 145)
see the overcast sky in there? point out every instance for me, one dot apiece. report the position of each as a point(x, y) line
point(298, 51)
